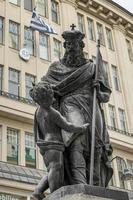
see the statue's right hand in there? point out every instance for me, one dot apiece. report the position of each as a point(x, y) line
point(85, 127)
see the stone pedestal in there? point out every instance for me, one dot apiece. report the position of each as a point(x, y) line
point(86, 192)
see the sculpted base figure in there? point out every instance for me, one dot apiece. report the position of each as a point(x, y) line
point(49, 124)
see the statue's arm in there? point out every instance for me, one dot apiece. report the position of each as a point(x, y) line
point(64, 124)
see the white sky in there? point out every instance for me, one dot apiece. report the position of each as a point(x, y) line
point(128, 4)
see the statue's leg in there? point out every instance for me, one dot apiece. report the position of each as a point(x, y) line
point(77, 163)
point(54, 160)
point(40, 188)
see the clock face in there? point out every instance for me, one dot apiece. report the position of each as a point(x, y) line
point(24, 54)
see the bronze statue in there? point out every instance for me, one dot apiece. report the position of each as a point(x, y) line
point(73, 81)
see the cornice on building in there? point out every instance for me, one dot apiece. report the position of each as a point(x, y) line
point(72, 2)
point(111, 14)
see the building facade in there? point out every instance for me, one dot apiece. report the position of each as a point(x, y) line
point(21, 164)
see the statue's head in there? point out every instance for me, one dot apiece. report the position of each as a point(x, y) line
point(73, 45)
point(43, 94)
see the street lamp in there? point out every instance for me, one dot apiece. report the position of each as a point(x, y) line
point(127, 174)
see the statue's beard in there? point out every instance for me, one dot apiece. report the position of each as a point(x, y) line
point(73, 59)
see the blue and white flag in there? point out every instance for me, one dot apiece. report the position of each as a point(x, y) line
point(37, 24)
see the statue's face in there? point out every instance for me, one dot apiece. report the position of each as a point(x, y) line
point(73, 46)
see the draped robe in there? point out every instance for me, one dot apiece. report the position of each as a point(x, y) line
point(74, 98)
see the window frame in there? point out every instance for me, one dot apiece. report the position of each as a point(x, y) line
point(28, 8)
point(17, 145)
point(57, 21)
point(110, 39)
point(92, 34)
point(100, 35)
point(1, 77)
point(13, 82)
point(45, 8)
point(47, 47)
point(15, 34)
point(129, 50)
point(122, 119)
point(28, 87)
point(2, 30)
point(112, 115)
point(33, 148)
point(55, 50)
point(81, 25)
point(31, 40)
point(116, 80)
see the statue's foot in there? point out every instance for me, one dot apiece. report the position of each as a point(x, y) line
point(38, 196)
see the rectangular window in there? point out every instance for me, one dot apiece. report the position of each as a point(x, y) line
point(29, 79)
point(28, 5)
point(30, 150)
point(106, 69)
point(100, 33)
point(57, 49)
point(121, 165)
point(14, 81)
point(81, 22)
point(122, 120)
point(14, 35)
point(115, 78)
point(44, 46)
point(14, 2)
point(42, 7)
point(29, 40)
point(109, 39)
point(55, 11)
point(1, 76)
point(130, 167)
point(91, 29)
point(1, 30)
point(0, 142)
point(12, 145)
point(112, 116)
point(130, 51)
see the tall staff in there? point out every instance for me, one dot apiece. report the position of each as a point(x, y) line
point(94, 117)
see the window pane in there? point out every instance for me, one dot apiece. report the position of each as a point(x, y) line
point(1, 30)
point(130, 167)
point(28, 4)
point(122, 120)
point(112, 116)
point(44, 51)
point(14, 82)
point(121, 165)
point(57, 49)
point(91, 29)
point(1, 76)
point(109, 39)
point(130, 51)
point(12, 145)
point(14, 1)
point(100, 33)
point(14, 35)
point(42, 7)
point(106, 69)
point(29, 40)
point(29, 79)
point(30, 150)
point(81, 22)
point(115, 78)
point(55, 11)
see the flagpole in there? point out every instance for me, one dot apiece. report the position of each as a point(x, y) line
point(94, 118)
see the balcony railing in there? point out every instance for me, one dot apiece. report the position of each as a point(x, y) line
point(17, 98)
point(119, 131)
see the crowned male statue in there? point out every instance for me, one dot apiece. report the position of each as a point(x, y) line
point(72, 81)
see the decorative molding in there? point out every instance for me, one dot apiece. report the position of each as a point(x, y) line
point(100, 9)
point(72, 2)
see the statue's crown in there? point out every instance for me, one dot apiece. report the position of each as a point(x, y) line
point(73, 34)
